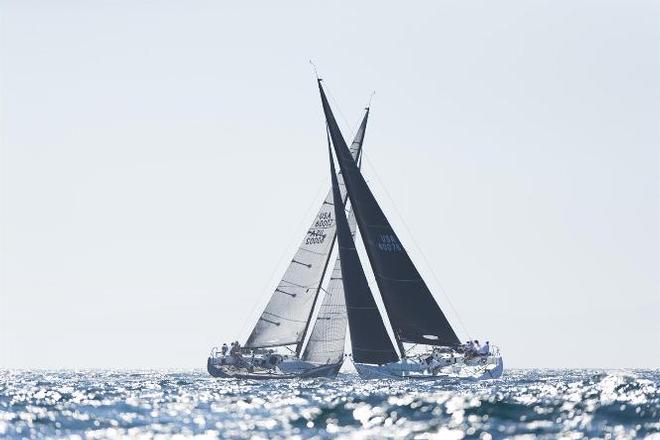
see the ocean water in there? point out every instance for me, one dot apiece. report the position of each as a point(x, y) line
point(190, 404)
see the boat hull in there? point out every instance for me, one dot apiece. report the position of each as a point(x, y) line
point(401, 370)
point(325, 371)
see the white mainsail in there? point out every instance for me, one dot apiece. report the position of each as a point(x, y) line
point(286, 317)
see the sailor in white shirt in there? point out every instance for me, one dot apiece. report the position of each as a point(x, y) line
point(485, 350)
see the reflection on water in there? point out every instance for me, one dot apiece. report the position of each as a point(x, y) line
point(116, 404)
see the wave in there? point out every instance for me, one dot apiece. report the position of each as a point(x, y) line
point(535, 403)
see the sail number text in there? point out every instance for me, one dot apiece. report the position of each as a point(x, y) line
point(388, 243)
point(317, 236)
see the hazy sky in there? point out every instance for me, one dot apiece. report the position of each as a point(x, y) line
point(161, 160)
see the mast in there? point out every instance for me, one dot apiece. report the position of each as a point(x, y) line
point(413, 312)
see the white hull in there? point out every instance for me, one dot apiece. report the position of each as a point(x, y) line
point(247, 368)
point(491, 369)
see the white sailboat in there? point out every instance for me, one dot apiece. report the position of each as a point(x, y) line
point(426, 344)
point(276, 346)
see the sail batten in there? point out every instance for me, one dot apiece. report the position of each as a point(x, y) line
point(413, 312)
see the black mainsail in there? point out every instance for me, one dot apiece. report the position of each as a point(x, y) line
point(413, 312)
point(370, 342)
point(286, 318)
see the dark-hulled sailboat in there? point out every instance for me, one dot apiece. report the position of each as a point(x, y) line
point(415, 317)
point(276, 346)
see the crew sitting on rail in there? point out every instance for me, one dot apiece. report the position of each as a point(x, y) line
point(430, 363)
point(474, 349)
point(224, 349)
point(235, 349)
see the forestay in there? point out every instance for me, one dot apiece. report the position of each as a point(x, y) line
point(413, 312)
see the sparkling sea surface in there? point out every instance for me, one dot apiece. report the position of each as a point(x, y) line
point(100, 404)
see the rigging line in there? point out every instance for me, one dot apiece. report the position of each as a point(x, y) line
point(419, 249)
point(370, 98)
point(350, 127)
point(315, 70)
point(285, 252)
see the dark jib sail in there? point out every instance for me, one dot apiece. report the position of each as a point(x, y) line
point(414, 314)
point(369, 339)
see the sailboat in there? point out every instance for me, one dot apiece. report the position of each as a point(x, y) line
point(276, 347)
point(428, 347)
